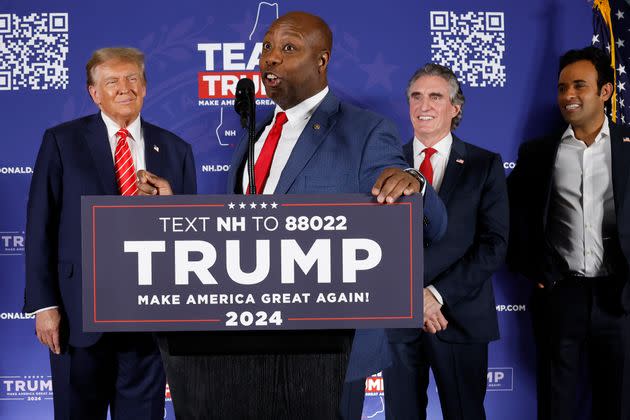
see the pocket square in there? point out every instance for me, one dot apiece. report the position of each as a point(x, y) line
point(460, 161)
point(157, 149)
point(626, 139)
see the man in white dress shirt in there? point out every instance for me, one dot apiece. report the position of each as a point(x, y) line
point(571, 238)
point(460, 318)
point(97, 155)
point(312, 144)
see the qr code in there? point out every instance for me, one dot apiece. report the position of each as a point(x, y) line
point(471, 44)
point(33, 51)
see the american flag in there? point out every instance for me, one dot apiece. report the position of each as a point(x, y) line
point(611, 29)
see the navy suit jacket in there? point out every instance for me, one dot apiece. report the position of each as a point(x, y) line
point(530, 187)
point(75, 159)
point(461, 264)
point(343, 149)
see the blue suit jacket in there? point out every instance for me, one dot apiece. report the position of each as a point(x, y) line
point(75, 159)
point(461, 264)
point(343, 149)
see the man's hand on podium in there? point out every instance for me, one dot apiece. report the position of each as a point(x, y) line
point(393, 183)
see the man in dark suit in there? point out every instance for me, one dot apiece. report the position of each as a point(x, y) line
point(97, 155)
point(571, 238)
point(313, 143)
point(459, 309)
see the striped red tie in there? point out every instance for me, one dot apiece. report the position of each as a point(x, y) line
point(123, 164)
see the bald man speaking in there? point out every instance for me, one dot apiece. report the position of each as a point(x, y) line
point(324, 146)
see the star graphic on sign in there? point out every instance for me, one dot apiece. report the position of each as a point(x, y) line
point(619, 14)
point(379, 72)
point(621, 69)
point(623, 119)
point(274, 205)
point(595, 39)
point(608, 48)
point(242, 205)
point(263, 205)
point(252, 205)
point(621, 86)
point(620, 43)
point(621, 105)
point(231, 206)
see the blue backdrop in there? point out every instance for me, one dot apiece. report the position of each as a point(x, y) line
point(505, 53)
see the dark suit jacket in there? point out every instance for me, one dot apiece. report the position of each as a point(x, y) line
point(530, 187)
point(75, 159)
point(461, 264)
point(343, 149)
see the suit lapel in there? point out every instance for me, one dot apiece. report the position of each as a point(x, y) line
point(312, 136)
point(454, 168)
point(548, 160)
point(154, 148)
point(620, 152)
point(98, 143)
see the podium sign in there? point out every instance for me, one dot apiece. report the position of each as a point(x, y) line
point(264, 262)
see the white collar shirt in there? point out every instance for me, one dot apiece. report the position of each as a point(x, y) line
point(582, 211)
point(135, 141)
point(439, 159)
point(297, 119)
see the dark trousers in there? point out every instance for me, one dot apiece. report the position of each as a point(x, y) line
point(281, 386)
point(122, 372)
point(579, 321)
point(352, 400)
point(460, 372)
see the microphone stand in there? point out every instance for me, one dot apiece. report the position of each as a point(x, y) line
point(251, 133)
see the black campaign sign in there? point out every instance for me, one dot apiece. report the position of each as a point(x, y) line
point(226, 262)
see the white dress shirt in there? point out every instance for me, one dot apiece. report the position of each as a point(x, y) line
point(438, 162)
point(297, 119)
point(136, 145)
point(135, 141)
point(582, 211)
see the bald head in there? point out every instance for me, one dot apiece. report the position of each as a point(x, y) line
point(294, 59)
point(313, 27)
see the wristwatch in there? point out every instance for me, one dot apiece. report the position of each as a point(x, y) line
point(421, 179)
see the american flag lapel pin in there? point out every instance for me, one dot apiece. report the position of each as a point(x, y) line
point(460, 161)
point(157, 149)
point(626, 139)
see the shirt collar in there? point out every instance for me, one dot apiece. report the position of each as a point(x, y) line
point(112, 127)
point(442, 147)
point(569, 134)
point(305, 109)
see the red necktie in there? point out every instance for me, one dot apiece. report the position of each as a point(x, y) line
point(425, 167)
point(123, 164)
point(263, 163)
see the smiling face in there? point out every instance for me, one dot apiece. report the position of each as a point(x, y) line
point(118, 90)
point(581, 102)
point(430, 109)
point(294, 58)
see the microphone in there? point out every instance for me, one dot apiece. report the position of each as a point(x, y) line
point(244, 99)
point(244, 106)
